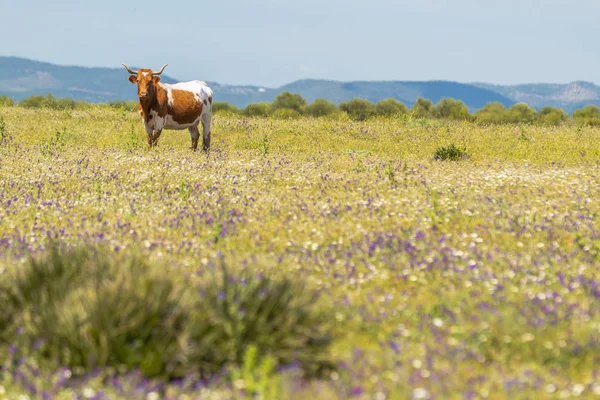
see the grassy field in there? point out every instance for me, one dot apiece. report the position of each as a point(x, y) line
point(476, 278)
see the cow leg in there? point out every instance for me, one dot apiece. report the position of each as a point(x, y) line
point(149, 137)
point(195, 135)
point(156, 136)
point(206, 119)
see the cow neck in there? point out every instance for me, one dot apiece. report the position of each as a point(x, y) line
point(153, 104)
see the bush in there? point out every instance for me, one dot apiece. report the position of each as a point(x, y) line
point(287, 100)
point(257, 110)
point(450, 109)
point(219, 107)
point(4, 136)
point(390, 107)
point(588, 115)
point(491, 113)
point(520, 113)
point(358, 109)
point(93, 308)
point(286, 113)
point(320, 108)
point(6, 101)
point(131, 105)
point(421, 108)
point(551, 116)
point(48, 102)
point(450, 153)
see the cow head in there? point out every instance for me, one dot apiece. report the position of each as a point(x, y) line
point(146, 80)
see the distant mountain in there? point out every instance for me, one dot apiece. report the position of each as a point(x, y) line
point(21, 78)
point(569, 96)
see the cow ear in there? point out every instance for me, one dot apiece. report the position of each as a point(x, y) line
point(132, 78)
point(156, 79)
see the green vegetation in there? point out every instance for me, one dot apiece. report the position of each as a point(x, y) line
point(224, 107)
point(358, 109)
point(321, 258)
point(450, 109)
point(289, 101)
point(257, 110)
point(390, 108)
point(450, 153)
point(321, 108)
point(291, 106)
point(6, 101)
point(422, 108)
point(589, 115)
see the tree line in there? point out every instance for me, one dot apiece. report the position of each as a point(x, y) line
point(292, 105)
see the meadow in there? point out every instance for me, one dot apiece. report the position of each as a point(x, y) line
point(475, 278)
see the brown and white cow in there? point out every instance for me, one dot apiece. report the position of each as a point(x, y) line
point(179, 106)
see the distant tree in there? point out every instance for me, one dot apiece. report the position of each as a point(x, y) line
point(390, 107)
point(520, 113)
point(451, 109)
point(289, 101)
point(491, 113)
point(551, 116)
point(33, 102)
point(131, 105)
point(588, 115)
point(224, 107)
point(257, 110)
point(84, 105)
point(421, 108)
point(62, 104)
point(48, 102)
point(358, 109)
point(320, 108)
point(6, 101)
point(285, 113)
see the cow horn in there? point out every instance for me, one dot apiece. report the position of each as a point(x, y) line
point(130, 70)
point(161, 70)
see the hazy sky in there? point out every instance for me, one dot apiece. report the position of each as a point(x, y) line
point(270, 42)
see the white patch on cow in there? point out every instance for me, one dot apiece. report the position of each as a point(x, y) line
point(169, 94)
point(155, 123)
point(144, 74)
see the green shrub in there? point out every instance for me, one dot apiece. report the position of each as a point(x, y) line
point(223, 107)
point(520, 113)
point(491, 113)
point(83, 105)
point(287, 100)
point(450, 153)
point(3, 131)
point(286, 113)
point(93, 308)
point(130, 105)
point(6, 101)
point(588, 115)
point(257, 110)
point(277, 315)
point(49, 101)
point(421, 108)
point(390, 107)
point(358, 109)
point(450, 109)
point(320, 108)
point(551, 116)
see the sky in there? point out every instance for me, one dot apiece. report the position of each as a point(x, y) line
point(274, 42)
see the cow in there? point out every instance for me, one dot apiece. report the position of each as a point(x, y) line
point(178, 106)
